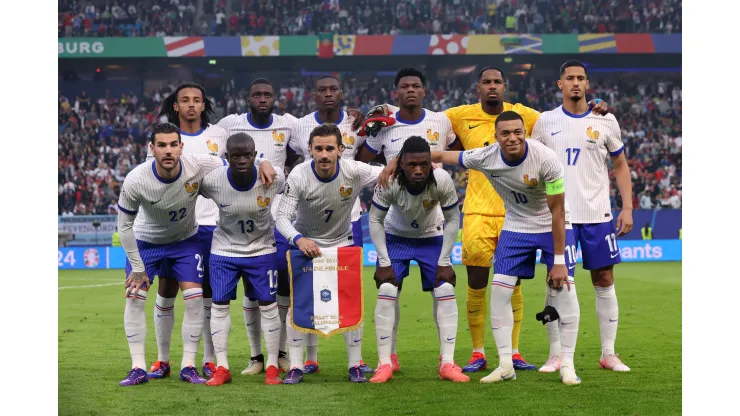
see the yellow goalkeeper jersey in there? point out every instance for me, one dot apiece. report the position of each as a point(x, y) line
point(475, 128)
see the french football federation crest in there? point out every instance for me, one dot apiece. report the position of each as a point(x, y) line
point(191, 188)
point(593, 135)
point(263, 203)
point(326, 295)
point(213, 147)
point(345, 193)
point(433, 137)
point(348, 140)
point(429, 203)
point(530, 182)
point(279, 138)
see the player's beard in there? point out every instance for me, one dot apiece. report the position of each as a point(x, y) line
point(493, 103)
point(260, 116)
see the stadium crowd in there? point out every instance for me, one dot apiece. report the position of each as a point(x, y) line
point(363, 17)
point(102, 139)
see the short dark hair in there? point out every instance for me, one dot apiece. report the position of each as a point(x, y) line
point(326, 129)
point(259, 81)
point(328, 76)
point(413, 144)
point(571, 63)
point(410, 72)
point(239, 137)
point(508, 116)
point(165, 128)
point(491, 68)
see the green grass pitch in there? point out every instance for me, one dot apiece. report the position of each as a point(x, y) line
point(93, 358)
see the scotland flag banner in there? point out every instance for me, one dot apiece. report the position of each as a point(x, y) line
point(326, 291)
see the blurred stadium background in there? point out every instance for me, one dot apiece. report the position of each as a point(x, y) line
point(118, 60)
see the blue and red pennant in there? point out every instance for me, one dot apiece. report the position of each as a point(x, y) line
point(326, 292)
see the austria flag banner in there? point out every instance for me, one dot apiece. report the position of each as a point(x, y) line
point(326, 291)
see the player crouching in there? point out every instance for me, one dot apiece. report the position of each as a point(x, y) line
point(421, 224)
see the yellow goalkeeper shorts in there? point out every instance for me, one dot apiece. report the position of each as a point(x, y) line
point(479, 239)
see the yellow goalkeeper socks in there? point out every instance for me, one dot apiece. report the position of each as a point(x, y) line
point(476, 304)
point(517, 306)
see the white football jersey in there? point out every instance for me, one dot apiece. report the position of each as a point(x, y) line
point(583, 144)
point(270, 140)
point(435, 128)
point(245, 226)
point(417, 215)
point(351, 141)
point(322, 207)
point(208, 141)
point(166, 209)
point(521, 184)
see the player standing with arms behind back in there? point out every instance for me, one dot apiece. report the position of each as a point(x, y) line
point(529, 177)
point(188, 108)
point(584, 143)
point(419, 203)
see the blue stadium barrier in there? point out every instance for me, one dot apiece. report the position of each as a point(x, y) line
point(102, 257)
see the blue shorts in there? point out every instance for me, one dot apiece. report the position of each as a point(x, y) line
point(205, 236)
point(282, 245)
point(357, 237)
point(598, 244)
point(184, 260)
point(259, 271)
point(425, 251)
point(516, 253)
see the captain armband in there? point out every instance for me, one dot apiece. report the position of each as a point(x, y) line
point(556, 187)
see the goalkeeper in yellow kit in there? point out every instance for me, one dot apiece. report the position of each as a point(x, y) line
point(484, 209)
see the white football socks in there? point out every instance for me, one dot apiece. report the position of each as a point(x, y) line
point(251, 311)
point(607, 311)
point(134, 323)
point(502, 318)
point(446, 321)
point(220, 330)
point(283, 306)
point(566, 303)
point(270, 324)
point(353, 339)
point(553, 335)
point(164, 322)
point(312, 347)
point(192, 325)
point(397, 311)
point(207, 341)
point(296, 342)
point(385, 317)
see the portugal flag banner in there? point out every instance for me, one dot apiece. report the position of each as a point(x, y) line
point(326, 292)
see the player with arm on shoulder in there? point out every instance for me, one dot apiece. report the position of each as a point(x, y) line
point(189, 108)
point(327, 95)
point(421, 225)
point(273, 140)
point(529, 177)
point(584, 143)
point(411, 119)
point(320, 194)
point(157, 226)
point(243, 247)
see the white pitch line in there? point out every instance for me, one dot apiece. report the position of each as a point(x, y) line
point(81, 287)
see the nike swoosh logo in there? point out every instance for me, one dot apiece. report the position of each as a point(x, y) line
point(613, 320)
point(395, 140)
point(472, 127)
point(154, 203)
point(214, 333)
point(450, 339)
point(495, 176)
point(385, 337)
point(566, 323)
point(496, 327)
point(130, 336)
point(474, 311)
point(615, 254)
point(358, 340)
point(273, 330)
point(272, 293)
point(552, 134)
point(195, 336)
point(311, 199)
point(200, 275)
point(516, 310)
point(571, 267)
point(252, 324)
point(160, 316)
point(298, 339)
point(224, 206)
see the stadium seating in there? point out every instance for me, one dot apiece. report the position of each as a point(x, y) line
point(363, 17)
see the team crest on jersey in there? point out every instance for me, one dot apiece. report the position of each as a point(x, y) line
point(345, 193)
point(263, 202)
point(213, 147)
point(191, 188)
point(593, 135)
point(429, 204)
point(278, 137)
point(433, 137)
point(347, 140)
point(530, 182)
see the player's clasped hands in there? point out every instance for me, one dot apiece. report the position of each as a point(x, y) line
point(445, 274)
point(136, 281)
point(558, 275)
point(308, 247)
point(384, 275)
